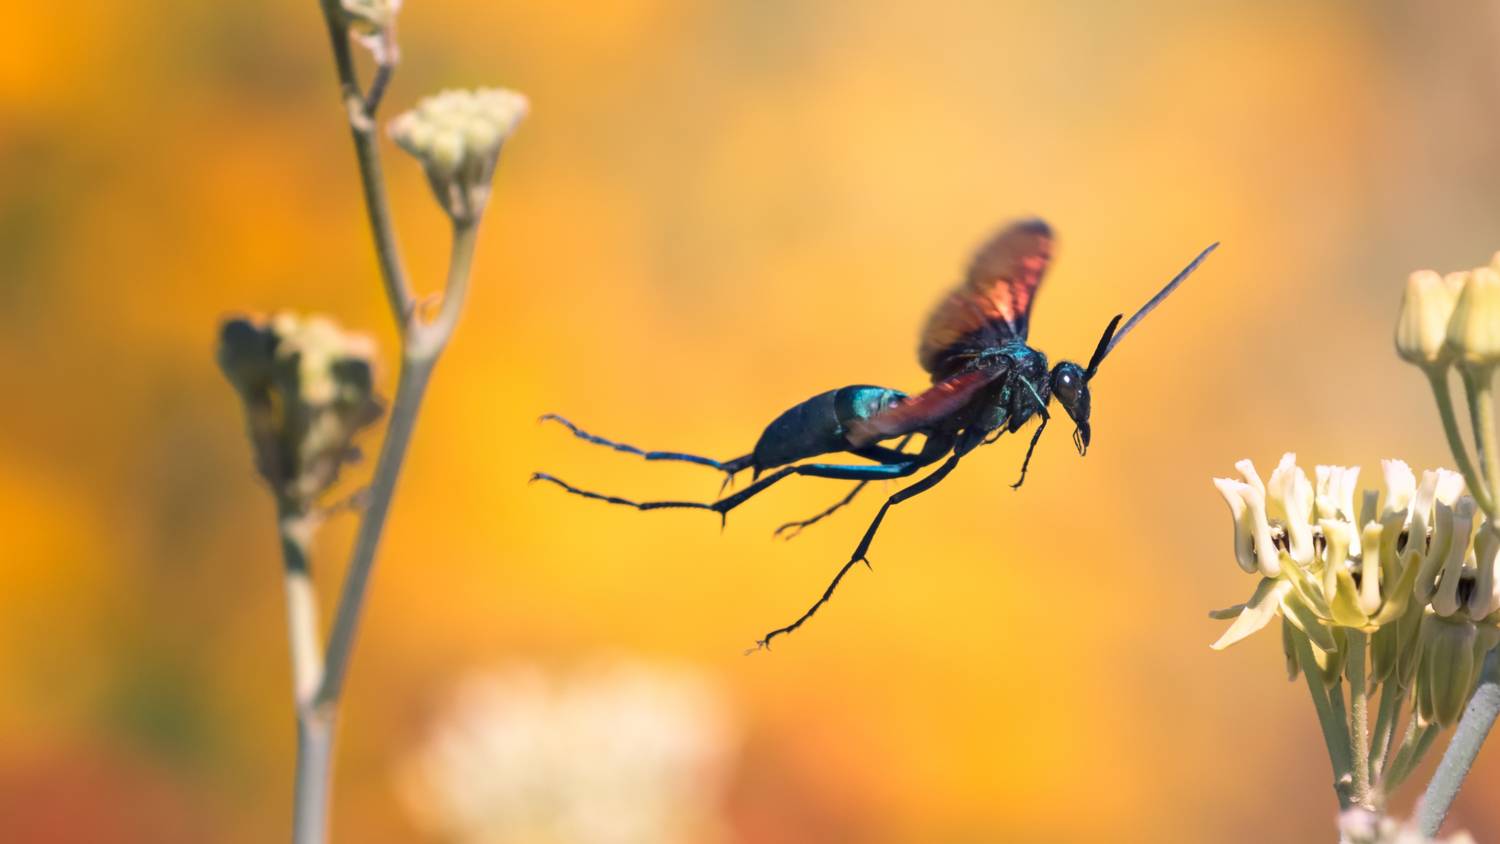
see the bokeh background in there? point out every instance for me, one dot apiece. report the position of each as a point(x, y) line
point(715, 211)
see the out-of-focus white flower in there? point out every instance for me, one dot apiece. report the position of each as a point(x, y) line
point(1362, 826)
point(619, 753)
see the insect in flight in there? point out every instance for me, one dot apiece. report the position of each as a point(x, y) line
point(986, 381)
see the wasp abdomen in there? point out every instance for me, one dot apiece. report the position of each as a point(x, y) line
point(820, 425)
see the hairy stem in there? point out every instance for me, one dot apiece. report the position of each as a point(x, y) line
point(1472, 730)
point(1387, 714)
point(1414, 747)
point(1359, 717)
point(1335, 726)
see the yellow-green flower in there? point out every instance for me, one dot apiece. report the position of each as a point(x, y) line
point(1474, 329)
point(1413, 575)
point(1422, 326)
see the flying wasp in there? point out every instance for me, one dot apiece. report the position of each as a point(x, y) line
point(987, 381)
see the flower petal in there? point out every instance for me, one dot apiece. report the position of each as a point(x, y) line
point(1258, 612)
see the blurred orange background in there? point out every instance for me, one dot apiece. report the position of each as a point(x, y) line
point(713, 212)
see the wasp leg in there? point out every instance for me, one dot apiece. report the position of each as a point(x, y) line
point(729, 467)
point(863, 548)
point(724, 505)
point(877, 453)
point(791, 529)
point(1029, 449)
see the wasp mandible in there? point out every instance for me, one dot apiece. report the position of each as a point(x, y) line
point(986, 381)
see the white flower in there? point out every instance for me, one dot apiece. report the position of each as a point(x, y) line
point(621, 753)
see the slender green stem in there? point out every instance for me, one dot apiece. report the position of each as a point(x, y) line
point(1386, 716)
point(1472, 730)
point(1359, 717)
point(1414, 747)
point(1479, 385)
point(361, 113)
point(411, 386)
point(1335, 727)
point(429, 340)
point(1478, 487)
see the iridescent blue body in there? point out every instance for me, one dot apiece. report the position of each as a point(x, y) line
point(987, 381)
point(819, 425)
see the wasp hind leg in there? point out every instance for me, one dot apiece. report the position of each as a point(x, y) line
point(724, 505)
point(729, 467)
point(861, 550)
point(791, 529)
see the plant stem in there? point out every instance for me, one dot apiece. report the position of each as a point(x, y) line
point(1335, 727)
point(1359, 717)
point(1479, 386)
point(1472, 730)
point(1388, 713)
point(423, 345)
point(1419, 738)
point(361, 114)
point(296, 528)
point(1478, 487)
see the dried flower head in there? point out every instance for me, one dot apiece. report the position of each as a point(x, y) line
point(457, 135)
point(308, 389)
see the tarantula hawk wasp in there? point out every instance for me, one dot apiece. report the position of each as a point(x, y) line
point(986, 381)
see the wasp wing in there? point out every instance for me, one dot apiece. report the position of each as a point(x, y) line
point(919, 411)
point(993, 304)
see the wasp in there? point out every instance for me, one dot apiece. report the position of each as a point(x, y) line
point(986, 381)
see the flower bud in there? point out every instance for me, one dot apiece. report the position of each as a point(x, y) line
point(1447, 672)
point(1474, 330)
point(457, 136)
point(1422, 326)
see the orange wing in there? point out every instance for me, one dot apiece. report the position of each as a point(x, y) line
point(914, 412)
point(994, 302)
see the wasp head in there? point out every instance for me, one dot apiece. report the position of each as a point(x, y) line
point(1070, 385)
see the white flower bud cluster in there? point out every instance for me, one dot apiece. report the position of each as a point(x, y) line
point(457, 135)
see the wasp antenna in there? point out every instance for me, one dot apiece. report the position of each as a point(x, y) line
point(1103, 348)
point(1112, 341)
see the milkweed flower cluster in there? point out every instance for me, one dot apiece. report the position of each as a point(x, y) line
point(1409, 570)
point(457, 136)
point(625, 752)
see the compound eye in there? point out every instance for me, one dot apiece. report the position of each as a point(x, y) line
point(1067, 387)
